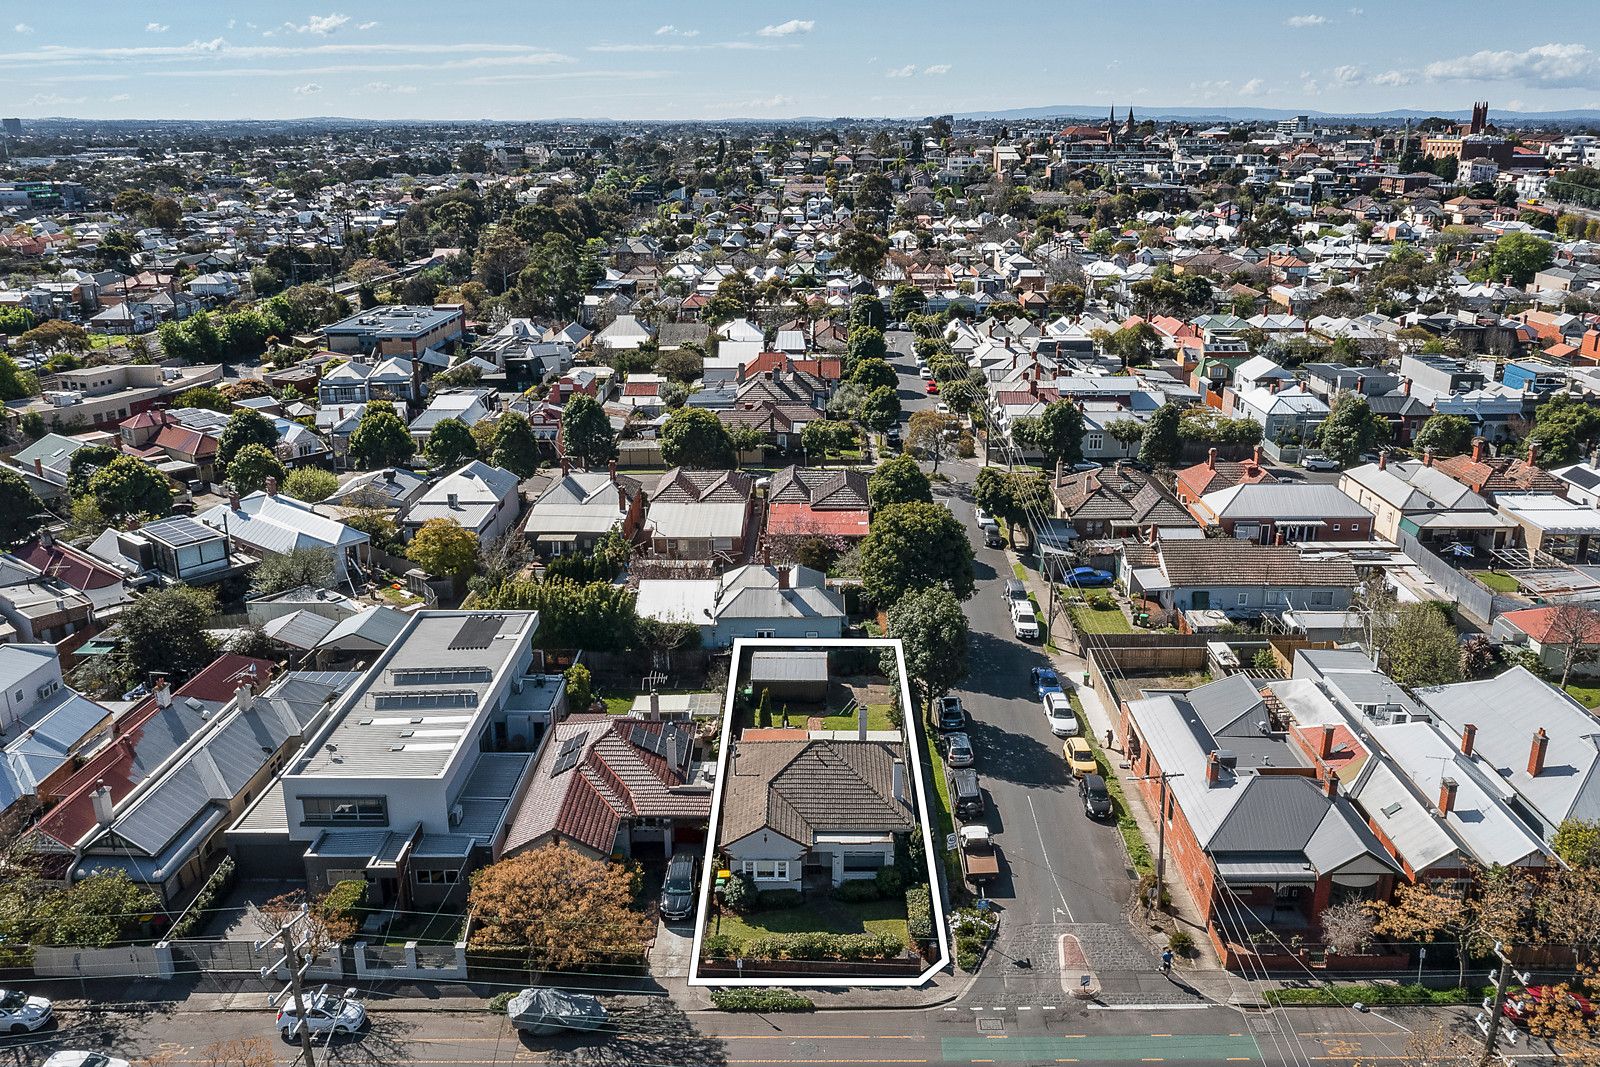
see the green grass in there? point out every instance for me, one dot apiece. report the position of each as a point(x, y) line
point(1375, 993)
point(1498, 581)
point(1099, 620)
point(1132, 837)
point(877, 719)
point(1587, 695)
point(398, 597)
point(819, 914)
point(618, 705)
point(944, 821)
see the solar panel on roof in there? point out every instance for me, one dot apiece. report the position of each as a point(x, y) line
point(179, 532)
point(476, 632)
point(571, 749)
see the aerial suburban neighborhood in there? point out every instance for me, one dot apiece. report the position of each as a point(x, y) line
point(1045, 584)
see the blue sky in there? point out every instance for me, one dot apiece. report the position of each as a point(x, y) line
point(532, 59)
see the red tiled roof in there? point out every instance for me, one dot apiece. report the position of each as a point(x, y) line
point(188, 442)
point(69, 565)
point(1537, 623)
point(801, 519)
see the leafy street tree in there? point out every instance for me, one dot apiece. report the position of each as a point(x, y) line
point(1134, 344)
point(516, 446)
point(1516, 258)
point(442, 547)
point(126, 486)
point(1447, 435)
point(380, 439)
point(864, 343)
point(824, 436)
point(906, 300)
point(880, 409)
point(1060, 434)
point(898, 481)
point(1498, 910)
point(245, 427)
point(933, 631)
point(696, 438)
point(931, 435)
point(250, 468)
point(450, 444)
point(302, 566)
point(21, 513)
point(1160, 445)
point(861, 251)
point(1015, 496)
point(1350, 429)
point(1420, 645)
point(867, 311)
point(536, 901)
point(311, 484)
point(1563, 428)
point(586, 432)
point(163, 632)
point(915, 546)
point(873, 373)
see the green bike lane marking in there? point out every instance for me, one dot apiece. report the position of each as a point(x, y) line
point(1015, 1048)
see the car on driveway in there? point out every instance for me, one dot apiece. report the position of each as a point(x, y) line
point(1096, 798)
point(1316, 461)
point(21, 1013)
point(958, 750)
point(1059, 714)
point(1088, 577)
point(677, 892)
point(1045, 680)
point(326, 1014)
point(952, 716)
point(1079, 756)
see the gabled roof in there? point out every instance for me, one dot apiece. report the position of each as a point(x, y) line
point(819, 489)
point(802, 788)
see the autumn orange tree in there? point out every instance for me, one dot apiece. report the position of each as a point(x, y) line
point(565, 909)
point(1500, 907)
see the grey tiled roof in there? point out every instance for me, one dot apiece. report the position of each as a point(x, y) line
point(802, 788)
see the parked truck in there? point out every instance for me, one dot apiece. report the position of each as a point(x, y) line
point(979, 861)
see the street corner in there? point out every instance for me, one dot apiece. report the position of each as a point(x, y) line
point(1078, 978)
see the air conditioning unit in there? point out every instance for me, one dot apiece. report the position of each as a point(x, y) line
point(455, 814)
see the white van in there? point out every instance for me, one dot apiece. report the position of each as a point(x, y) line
point(1023, 620)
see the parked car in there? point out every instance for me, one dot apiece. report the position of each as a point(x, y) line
point(892, 435)
point(1088, 577)
point(677, 892)
point(1316, 461)
point(325, 1014)
point(1024, 623)
point(933, 387)
point(979, 861)
point(1014, 590)
point(966, 795)
point(991, 535)
point(981, 517)
point(1045, 680)
point(1520, 1006)
point(952, 716)
point(1096, 798)
point(542, 1012)
point(1058, 712)
point(942, 408)
point(72, 1058)
point(1079, 756)
point(958, 750)
point(21, 1013)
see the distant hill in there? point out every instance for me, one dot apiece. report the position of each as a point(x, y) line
point(1272, 114)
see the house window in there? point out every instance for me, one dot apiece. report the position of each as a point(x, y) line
point(766, 870)
point(766, 633)
point(345, 811)
point(434, 877)
point(863, 861)
point(1244, 598)
point(1335, 527)
point(1096, 441)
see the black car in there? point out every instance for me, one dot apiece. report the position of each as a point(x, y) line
point(1096, 800)
point(967, 795)
point(951, 715)
point(677, 894)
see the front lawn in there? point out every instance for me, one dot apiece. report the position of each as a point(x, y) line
point(820, 913)
point(1092, 620)
point(1498, 581)
point(877, 719)
point(1587, 695)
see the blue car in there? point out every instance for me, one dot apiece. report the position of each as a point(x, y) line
point(1087, 577)
point(1045, 681)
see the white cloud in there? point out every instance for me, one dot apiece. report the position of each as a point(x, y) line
point(22, 27)
point(669, 30)
point(1301, 22)
point(1252, 87)
point(156, 27)
point(1393, 79)
point(767, 102)
point(1348, 74)
point(713, 46)
point(51, 100)
point(902, 72)
point(788, 29)
point(321, 25)
point(368, 25)
point(937, 68)
point(1357, 12)
point(308, 89)
point(1556, 66)
point(385, 89)
point(120, 98)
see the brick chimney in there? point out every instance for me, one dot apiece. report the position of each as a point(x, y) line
point(1533, 452)
point(566, 465)
point(1427, 456)
point(783, 577)
point(38, 466)
point(233, 499)
point(1278, 538)
point(611, 468)
point(1447, 795)
point(1255, 455)
point(1213, 770)
point(272, 486)
point(1325, 743)
point(1330, 787)
point(1405, 386)
point(1211, 459)
point(622, 497)
point(1469, 735)
point(1477, 449)
point(1536, 751)
point(1383, 460)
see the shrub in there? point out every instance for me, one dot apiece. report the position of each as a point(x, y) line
point(890, 882)
point(1101, 601)
point(814, 945)
point(762, 1000)
point(1180, 942)
point(720, 946)
point(344, 900)
point(500, 1001)
point(200, 907)
point(919, 913)
point(857, 889)
point(740, 894)
point(780, 898)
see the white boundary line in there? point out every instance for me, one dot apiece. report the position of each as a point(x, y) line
point(911, 729)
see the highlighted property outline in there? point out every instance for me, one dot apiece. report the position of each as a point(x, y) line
point(911, 729)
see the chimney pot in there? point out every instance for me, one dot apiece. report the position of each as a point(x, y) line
point(1533, 452)
point(1211, 458)
point(1325, 743)
point(1536, 752)
point(1255, 455)
point(1278, 538)
point(245, 697)
point(1469, 735)
point(1427, 456)
point(272, 486)
point(1330, 787)
point(783, 577)
point(566, 465)
point(1383, 460)
point(1447, 795)
point(1477, 449)
point(38, 466)
point(1213, 769)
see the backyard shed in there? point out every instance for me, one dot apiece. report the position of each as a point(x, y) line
point(790, 675)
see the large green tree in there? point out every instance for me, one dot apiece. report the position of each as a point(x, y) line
point(1350, 429)
point(1516, 257)
point(250, 468)
point(898, 481)
point(1160, 444)
point(1060, 433)
point(915, 546)
point(874, 373)
point(21, 513)
point(1447, 435)
point(1419, 645)
point(586, 432)
point(695, 437)
point(879, 409)
point(1563, 428)
point(84, 462)
point(301, 566)
point(245, 427)
point(932, 630)
point(516, 446)
point(864, 343)
point(450, 444)
point(591, 615)
point(380, 439)
point(164, 632)
point(127, 486)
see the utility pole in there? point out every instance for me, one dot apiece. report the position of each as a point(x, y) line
point(1497, 1005)
point(1161, 832)
point(291, 959)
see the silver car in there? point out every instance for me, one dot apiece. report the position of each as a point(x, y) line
point(958, 750)
point(21, 1013)
point(325, 1014)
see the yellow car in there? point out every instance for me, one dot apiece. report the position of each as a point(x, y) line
point(1080, 758)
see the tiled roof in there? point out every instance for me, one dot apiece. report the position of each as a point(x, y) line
point(802, 788)
point(821, 489)
point(683, 486)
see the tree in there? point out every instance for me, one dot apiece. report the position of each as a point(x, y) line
point(1516, 257)
point(450, 444)
point(1347, 927)
point(1125, 431)
point(1134, 344)
point(1573, 629)
point(1423, 911)
point(898, 481)
point(593, 615)
point(380, 439)
point(826, 435)
point(914, 546)
point(864, 343)
point(1447, 435)
point(580, 687)
point(202, 396)
point(163, 632)
point(1016, 496)
point(562, 908)
point(311, 484)
point(931, 435)
point(250, 468)
point(1060, 433)
point(932, 630)
point(867, 311)
point(1349, 430)
point(443, 547)
point(96, 912)
point(1160, 444)
point(1577, 841)
point(500, 259)
point(873, 374)
point(906, 300)
point(880, 409)
point(15, 383)
point(516, 446)
point(21, 513)
point(861, 251)
point(586, 432)
point(696, 438)
point(127, 486)
point(1562, 428)
point(245, 427)
point(291, 570)
point(1420, 645)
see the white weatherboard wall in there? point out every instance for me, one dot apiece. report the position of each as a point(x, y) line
point(914, 742)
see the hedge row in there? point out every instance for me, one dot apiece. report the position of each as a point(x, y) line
point(807, 946)
point(919, 913)
point(199, 909)
point(760, 1000)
